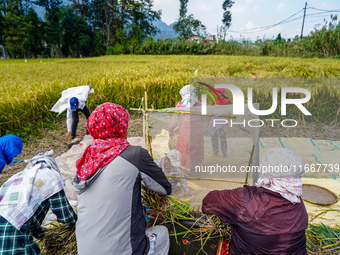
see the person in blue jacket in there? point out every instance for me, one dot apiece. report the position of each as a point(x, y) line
point(10, 147)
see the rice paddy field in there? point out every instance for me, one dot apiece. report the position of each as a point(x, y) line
point(29, 89)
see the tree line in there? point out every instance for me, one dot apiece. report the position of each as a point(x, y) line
point(85, 27)
point(322, 42)
point(80, 28)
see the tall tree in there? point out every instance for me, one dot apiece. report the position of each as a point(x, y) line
point(81, 7)
point(2, 24)
point(53, 30)
point(14, 33)
point(141, 17)
point(181, 27)
point(187, 25)
point(33, 42)
point(97, 20)
point(76, 34)
point(226, 20)
point(13, 26)
point(183, 8)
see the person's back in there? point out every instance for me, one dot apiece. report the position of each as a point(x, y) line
point(108, 183)
point(110, 211)
point(269, 218)
point(36, 189)
point(262, 221)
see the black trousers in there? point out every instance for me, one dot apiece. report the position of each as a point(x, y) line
point(75, 120)
point(219, 136)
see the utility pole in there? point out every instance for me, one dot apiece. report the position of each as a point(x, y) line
point(303, 21)
point(217, 37)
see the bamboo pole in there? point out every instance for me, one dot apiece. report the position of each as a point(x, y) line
point(181, 112)
point(147, 137)
point(202, 179)
point(146, 121)
point(249, 163)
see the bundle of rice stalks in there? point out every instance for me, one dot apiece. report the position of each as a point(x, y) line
point(222, 228)
point(174, 210)
point(322, 239)
point(168, 207)
point(60, 239)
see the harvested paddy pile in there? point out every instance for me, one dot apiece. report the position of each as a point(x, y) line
point(59, 239)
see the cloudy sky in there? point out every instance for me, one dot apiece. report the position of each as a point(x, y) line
point(248, 15)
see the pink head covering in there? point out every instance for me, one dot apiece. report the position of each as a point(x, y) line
point(222, 90)
point(107, 124)
point(281, 171)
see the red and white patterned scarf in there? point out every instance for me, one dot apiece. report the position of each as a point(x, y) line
point(108, 125)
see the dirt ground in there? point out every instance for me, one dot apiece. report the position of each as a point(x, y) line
point(55, 139)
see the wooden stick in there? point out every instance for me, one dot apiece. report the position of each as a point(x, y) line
point(146, 122)
point(58, 138)
point(249, 163)
point(147, 137)
point(202, 179)
point(182, 112)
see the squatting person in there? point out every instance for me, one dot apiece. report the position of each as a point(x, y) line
point(108, 184)
point(25, 203)
point(269, 218)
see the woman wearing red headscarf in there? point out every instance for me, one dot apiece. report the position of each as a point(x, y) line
point(108, 183)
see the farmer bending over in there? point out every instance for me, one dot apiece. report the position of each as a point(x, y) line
point(169, 165)
point(10, 147)
point(108, 184)
point(25, 200)
point(75, 105)
point(269, 218)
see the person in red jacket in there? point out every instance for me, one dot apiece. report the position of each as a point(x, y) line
point(270, 217)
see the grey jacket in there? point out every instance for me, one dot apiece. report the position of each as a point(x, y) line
point(110, 211)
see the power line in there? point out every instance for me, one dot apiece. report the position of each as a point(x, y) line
point(288, 20)
point(314, 16)
point(320, 14)
point(258, 29)
point(285, 21)
point(338, 10)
